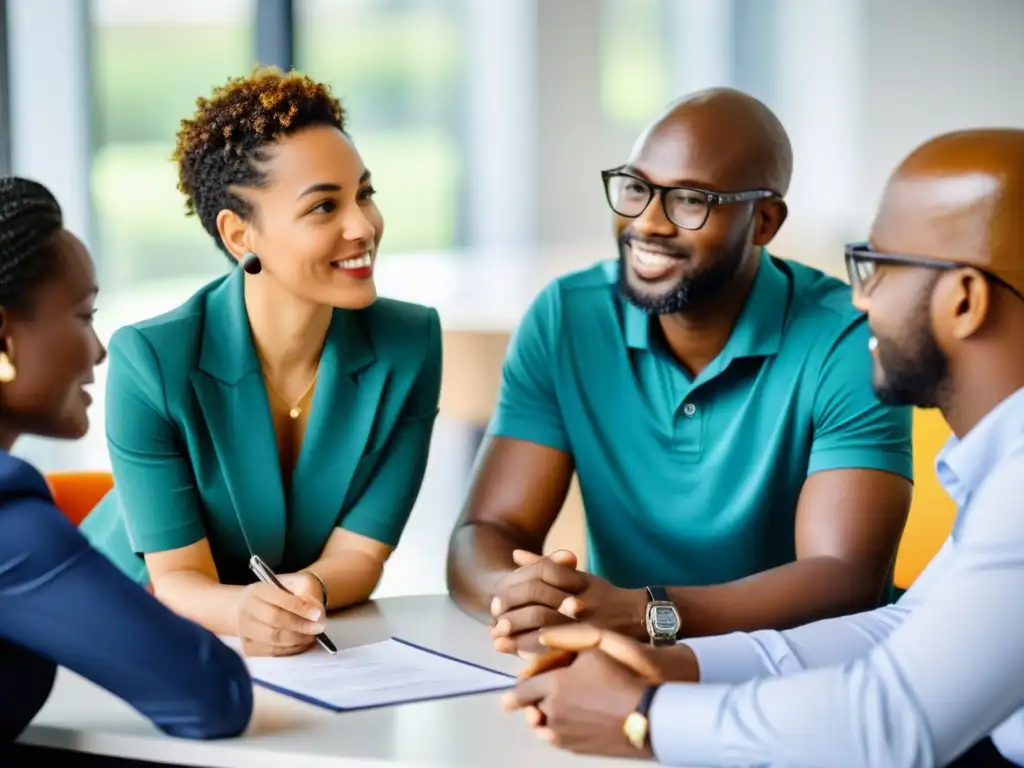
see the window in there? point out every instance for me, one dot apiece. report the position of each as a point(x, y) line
point(398, 68)
point(635, 62)
point(150, 63)
point(5, 107)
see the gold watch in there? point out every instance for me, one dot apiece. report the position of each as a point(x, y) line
point(636, 727)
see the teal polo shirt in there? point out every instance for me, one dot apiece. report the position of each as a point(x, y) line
point(695, 481)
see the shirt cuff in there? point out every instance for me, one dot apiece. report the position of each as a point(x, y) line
point(684, 724)
point(732, 658)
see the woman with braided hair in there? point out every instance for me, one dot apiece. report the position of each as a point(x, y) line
point(61, 602)
point(284, 410)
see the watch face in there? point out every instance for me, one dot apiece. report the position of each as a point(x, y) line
point(664, 619)
point(635, 730)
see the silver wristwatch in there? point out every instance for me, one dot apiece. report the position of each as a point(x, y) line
point(662, 617)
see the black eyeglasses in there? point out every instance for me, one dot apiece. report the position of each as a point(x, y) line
point(862, 263)
point(686, 207)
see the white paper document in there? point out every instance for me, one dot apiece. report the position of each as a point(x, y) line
point(376, 675)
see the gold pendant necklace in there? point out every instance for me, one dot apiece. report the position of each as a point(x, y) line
point(294, 410)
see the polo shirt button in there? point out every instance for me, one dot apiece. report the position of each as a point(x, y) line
point(689, 409)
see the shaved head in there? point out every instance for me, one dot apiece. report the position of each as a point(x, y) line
point(959, 198)
point(948, 313)
point(732, 153)
point(747, 142)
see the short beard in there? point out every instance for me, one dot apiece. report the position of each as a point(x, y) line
point(693, 290)
point(914, 371)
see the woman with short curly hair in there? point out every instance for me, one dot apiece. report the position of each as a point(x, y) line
point(284, 410)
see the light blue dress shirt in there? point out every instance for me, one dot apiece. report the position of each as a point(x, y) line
point(912, 684)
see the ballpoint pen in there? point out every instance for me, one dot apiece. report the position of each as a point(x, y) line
point(267, 576)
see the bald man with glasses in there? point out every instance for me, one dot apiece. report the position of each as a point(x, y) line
point(737, 471)
point(938, 678)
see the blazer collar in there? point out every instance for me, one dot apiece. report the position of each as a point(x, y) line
point(231, 393)
point(228, 353)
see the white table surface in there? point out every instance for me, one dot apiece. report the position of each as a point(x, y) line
point(464, 731)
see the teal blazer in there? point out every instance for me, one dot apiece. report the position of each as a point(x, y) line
point(193, 450)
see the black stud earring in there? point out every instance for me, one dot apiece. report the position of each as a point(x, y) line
point(251, 263)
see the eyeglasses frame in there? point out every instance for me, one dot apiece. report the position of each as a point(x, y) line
point(659, 190)
point(862, 251)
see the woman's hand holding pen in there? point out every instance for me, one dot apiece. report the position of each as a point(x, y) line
point(303, 584)
point(273, 622)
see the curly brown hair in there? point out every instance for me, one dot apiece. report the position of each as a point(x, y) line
point(220, 146)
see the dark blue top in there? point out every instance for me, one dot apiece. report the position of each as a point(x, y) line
point(62, 603)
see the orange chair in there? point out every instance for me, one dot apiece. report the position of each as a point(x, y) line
point(932, 512)
point(76, 493)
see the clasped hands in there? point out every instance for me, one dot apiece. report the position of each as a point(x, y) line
point(584, 679)
point(273, 622)
point(547, 591)
point(579, 694)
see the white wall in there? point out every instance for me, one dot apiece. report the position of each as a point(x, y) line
point(863, 82)
point(931, 66)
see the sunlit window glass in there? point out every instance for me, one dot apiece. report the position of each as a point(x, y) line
point(635, 65)
point(398, 67)
point(150, 62)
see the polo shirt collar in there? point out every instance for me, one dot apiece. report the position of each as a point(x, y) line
point(758, 330)
point(637, 326)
